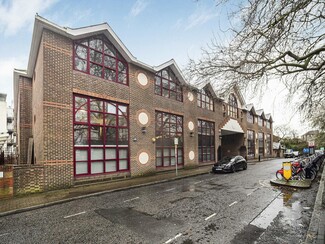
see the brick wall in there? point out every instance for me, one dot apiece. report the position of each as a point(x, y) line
point(28, 179)
point(6, 181)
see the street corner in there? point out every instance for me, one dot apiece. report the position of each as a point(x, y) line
point(292, 183)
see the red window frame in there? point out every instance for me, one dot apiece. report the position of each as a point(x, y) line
point(168, 126)
point(261, 143)
point(105, 121)
point(167, 85)
point(109, 59)
point(250, 143)
point(233, 106)
point(204, 100)
point(206, 141)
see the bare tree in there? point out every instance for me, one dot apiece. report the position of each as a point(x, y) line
point(283, 131)
point(276, 40)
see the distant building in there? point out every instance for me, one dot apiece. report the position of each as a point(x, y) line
point(310, 137)
point(87, 109)
point(3, 121)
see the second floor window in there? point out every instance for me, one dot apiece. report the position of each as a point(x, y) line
point(260, 121)
point(167, 85)
point(250, 118)
point(233, 106)
point(204, 100)
point(97, 56)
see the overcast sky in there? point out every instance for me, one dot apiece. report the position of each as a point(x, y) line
point(153, 30)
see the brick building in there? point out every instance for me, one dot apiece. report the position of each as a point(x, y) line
point(87, 109)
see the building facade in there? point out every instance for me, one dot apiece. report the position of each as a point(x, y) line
point(87, 109)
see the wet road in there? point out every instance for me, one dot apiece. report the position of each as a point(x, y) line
point(224, 208)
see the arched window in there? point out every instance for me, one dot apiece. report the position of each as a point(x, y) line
point(167, 85)
point(232, 106)
point(204, 100)
point(97, 56)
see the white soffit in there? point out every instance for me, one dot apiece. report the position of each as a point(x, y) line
point(233, 126)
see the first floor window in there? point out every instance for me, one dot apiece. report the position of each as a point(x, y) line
point(206, 141)
point(250, 144)
point(268, 145)
point(168, 126)
point(101, 136)
point(261, 143)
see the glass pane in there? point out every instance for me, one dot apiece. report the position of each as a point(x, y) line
point(95, 70)
point(81, 116)
point(165, 83)
point(97, 167)
point(80, 135)
point(165, 93)
point(81, 52)
point(158, 161)
point(172, 161)
point(166, 162)
point(122, 121)
point(122, 78)
point(96, 105)
point(158, 90)
point(158, 152)
point(108, 49)
point(110, 108)
point(110, 75)
point(123, 153)
point(123, 137)
point(96, 118)
point(96, 44)
point(110, 62)
point(96, 135)
point(164, 74)
point(180, 160)
point(157, 80)
point(122, 110)
point(80, 64)
point(81, 155)
point(110, 119)
point(110, 166)
point(110, 153)
point(172, 86)
point(166, 152)
point(96, 57)
point(179, 152)
point(96, 153)
point(123, 164)
point(121, 67)
point(110, 136)
point(81, 168)
point(80, 102)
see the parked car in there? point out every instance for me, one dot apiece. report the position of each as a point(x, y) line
point(288, 153)
point(230, 164)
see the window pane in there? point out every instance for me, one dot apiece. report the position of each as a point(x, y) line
point(110, 62)
point(96, 153)
point(166, 162)
point(158, 161)
point(80, 64)
point(158, 152)
point(108, 49)
point(81, 116)
point(166, 152)
point(96, 57)
point(123, 153)
point(158, 90)
point(110, 153)
point(110, 119)
point(80, 103)
point(121, 67)
point(157, 80)
point(123, 136)
point(95, 70)
point(97, 167)
point(96, 135)
point(96, 105)
point(96, 118)
point(81, 168)
point(165, 83)
point(122, 78)
point(110, 166)
point(110, 136)
point(110, 75)
point(172, 161)
point(96, 44)
point(110, 108)
point(123, 164)
point(80, 135)
point(81, 52)
point(122, 110)
point(122, 121)
point(81, 155)
point(165, 93)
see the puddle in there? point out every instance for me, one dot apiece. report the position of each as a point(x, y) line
point(291, 211)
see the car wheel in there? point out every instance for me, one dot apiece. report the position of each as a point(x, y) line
point(245, 167)
point(233, 169)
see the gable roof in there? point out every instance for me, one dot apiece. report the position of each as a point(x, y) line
point(260, 112)
point(250, 108)
point(174, 67)
point(269, 117)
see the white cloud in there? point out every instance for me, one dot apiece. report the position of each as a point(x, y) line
point(6, 75)
point(200, 16)
point(17, 14)
point(138, 7)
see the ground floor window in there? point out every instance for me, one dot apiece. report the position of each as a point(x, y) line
point(261, 143)
point(168, 126)
point(268, 145)
point(101, 136)
point(250, 144)
point(206, 141)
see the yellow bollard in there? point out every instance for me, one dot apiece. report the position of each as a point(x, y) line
point(287, 170)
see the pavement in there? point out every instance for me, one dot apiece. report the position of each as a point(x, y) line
point(22, 203)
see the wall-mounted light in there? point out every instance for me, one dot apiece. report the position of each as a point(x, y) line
point(143, 130)
point(191, 134)
point(135, 139)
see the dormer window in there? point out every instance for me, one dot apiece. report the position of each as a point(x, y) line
point(167, 85)
point(260, 121)
point(250, 117)
point(204, 100)
point(232, 106)
point(98, 57)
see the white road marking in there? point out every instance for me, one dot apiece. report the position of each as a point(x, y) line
point(171, 189)
point(129, 200)
point(210, 216)
point(252, 192)
point(233, 203)
point(198, 182)
point(4, 234)
point(172, 239)
point(72, 215)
